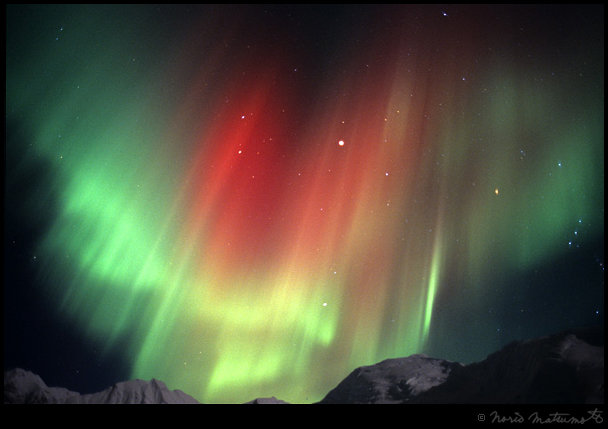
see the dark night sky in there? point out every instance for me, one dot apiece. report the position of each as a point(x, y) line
point(238, 200)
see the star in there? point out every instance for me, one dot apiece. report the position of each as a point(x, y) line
point(341, 143)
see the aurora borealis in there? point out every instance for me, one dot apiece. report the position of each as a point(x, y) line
point(247, 201)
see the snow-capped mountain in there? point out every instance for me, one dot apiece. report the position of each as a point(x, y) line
point(391, 381)
point(566, 368)
point(271, 400)
point(25, 387)
point(558, 369)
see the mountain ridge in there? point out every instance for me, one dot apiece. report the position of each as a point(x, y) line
point(564, 368)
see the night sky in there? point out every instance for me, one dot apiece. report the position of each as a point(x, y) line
point(248, 201)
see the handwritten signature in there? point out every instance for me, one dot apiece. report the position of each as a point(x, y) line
point(593, 416)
